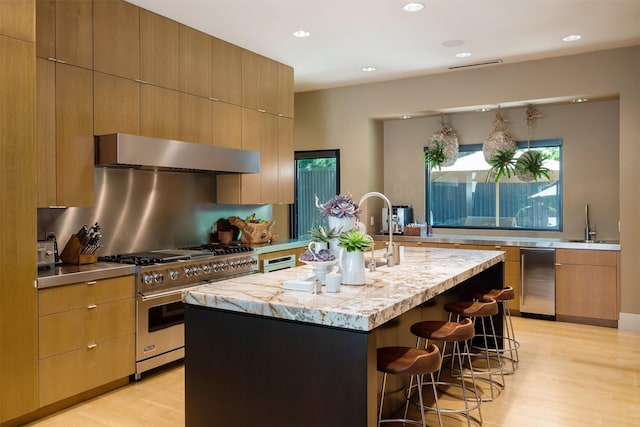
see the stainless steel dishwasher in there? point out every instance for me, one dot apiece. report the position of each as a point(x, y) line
point(538, 283)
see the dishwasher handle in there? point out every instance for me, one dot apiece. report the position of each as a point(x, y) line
point(278, 263)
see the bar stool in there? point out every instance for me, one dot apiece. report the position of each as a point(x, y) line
point(481, 310)
point(503, 296)
point(409, 361)
point(457, 333)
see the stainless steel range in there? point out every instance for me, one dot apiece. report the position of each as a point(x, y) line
point(161, 278)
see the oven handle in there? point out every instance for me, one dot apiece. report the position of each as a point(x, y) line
point(163, 294)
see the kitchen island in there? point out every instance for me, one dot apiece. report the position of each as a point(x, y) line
point(259, 355)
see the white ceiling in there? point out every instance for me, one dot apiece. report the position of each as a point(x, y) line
point(347, 35)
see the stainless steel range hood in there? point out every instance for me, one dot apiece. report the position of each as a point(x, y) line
point(143, 152)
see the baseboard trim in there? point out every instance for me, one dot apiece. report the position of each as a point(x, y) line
point(629, 322)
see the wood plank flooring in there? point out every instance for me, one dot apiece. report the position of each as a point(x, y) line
point(569, 375)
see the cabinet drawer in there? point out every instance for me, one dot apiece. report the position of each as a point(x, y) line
point(577, 256)
point(80, 370)
point(80, 295)
point(511, 253)
point(73, 329)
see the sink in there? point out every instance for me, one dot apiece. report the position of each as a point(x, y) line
point(589, 241)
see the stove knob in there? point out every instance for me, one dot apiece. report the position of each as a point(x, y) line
point(148, 279)
point(158, 277)
point(188, 271)
point(197, 270)
point(207, 268)
point(174, 275)
point(224, 266)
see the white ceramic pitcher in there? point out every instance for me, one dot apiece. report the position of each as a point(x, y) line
point(352, 267)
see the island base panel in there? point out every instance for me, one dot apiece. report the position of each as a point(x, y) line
point(246, 370)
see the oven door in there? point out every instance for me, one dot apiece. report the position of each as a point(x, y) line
point(160, 326)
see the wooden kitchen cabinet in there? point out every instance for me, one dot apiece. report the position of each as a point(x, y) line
point(64, 135)
point(259, 82)
point(159, 112)
point(261, 132)
point(64, 31)
point(86, 336)
point(285, 91)
point(512, 276)
point(227, 125)
point(116, 52)
point(587, 287)
point(196, 62)
point(109, 90)
point(227, 72)
point(159, 50)
point(17, 18)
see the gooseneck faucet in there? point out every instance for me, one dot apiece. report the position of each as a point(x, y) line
point(389, 255)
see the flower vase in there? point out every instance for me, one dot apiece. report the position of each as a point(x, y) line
point(339, 225)
point(352, 267)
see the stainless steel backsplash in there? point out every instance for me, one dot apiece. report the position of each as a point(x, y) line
point(143, 210)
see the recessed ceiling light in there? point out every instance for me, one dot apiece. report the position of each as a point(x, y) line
point(571, 38)
point(463, 54)
point(301, 34)
point(483, 109)
point(578, 100)
point(405, 117)
point(368, 69)
point(413, 7)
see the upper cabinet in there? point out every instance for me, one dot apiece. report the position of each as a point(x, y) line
point(159, 50)
point(64, 31)
point(196, 62)
point(16, 20)
point(285, 91)
point(227, 72)
point(64, 135)
point(259, 82)
point(116, 52)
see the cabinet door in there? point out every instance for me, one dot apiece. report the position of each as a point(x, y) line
point(286, 163)
point(159, 50)
point(269, 158)
point(285, 90)
point(16, 19)
point(251, 140)
point(74, 136)
point(159, 112)
point(196, 119)
point(196, 62)
point(116, 52)
point(250, 80)
point(46, 132)
point(587, 291)
point(74, 32)
point(268, 85)
point(110, 91)
point(227, 72)
point(227, 125)
point(45, 28)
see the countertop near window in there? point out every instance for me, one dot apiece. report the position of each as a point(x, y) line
point(66, 274)
point(423, 273)
point(280, 245)
point(532, 242)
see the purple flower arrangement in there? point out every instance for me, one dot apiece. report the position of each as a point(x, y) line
point(339, 206)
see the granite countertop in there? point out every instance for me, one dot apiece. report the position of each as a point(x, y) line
point(66, 274)
point(390, 291)
point(520, 241)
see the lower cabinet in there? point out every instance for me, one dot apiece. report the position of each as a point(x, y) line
point(86, 336)
point(587, 288)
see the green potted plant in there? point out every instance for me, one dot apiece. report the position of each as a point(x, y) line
point(353, 244)
point(320, 234)
point(503, 163)
point(355, 240)
point(434, 156)
point(530, 166)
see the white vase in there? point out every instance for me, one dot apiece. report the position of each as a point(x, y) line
point(339, 225)
point(352, 267)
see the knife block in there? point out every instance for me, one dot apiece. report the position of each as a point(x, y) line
point(71, 254)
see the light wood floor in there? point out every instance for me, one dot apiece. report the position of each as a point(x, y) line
point(569, 375)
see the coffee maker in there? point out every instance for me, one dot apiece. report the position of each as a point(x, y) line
point(400, 217)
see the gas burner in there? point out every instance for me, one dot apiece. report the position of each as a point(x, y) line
point(218, 249)
point(144, 258)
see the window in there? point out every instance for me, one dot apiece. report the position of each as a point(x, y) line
point(317, 173)
point(465, 196)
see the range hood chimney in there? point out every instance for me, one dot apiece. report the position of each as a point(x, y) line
point(121, 149)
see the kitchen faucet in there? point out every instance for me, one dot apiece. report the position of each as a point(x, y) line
point(389, 254)
point(589, 233)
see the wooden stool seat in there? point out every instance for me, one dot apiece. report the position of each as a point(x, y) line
point(473, 308)
point(505, 294)
point(411, 361)
point(445, 331)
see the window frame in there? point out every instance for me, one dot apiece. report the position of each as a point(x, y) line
point(520, 145)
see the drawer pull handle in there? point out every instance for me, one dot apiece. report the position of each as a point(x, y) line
point(90, 346)
point(93, 282)
point(91, 306)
